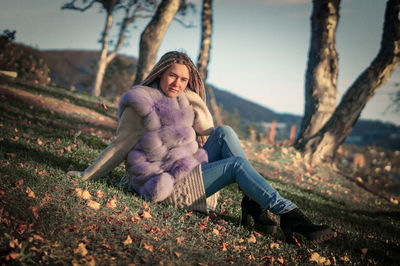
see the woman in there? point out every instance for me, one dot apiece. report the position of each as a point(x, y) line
point(161, 125)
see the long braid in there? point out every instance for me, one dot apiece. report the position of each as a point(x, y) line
point(195, 84)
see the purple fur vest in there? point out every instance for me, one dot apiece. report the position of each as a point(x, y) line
point(167, 150)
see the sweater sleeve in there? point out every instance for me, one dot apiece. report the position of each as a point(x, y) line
point(129, 131)
point(203, 121)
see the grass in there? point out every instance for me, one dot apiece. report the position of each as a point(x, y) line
point(47, 217)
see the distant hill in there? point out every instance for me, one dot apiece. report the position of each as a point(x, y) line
point(70, 67)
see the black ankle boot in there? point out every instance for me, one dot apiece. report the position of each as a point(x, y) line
point(295, 221)
point(253, 215)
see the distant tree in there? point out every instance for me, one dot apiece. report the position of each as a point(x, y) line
point(322, 146)
point(117, 78)
point(205, 43)
point(395, 100)
point(322, 69)
point(204, 54)
point(133, 9)
point(154, 32)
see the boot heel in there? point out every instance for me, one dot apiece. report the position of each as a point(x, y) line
point(289, 234)
point(247, 219)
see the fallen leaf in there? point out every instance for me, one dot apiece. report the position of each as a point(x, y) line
point(12, 256)
point(103, 105)
point(315, 257)
point(179, 240)
point(81, 250)
point(127, 241)
point(148, 247)
point(90, 261)
point(11, 155)
point(215, 231)
point(165, 216)
point(257, 234)
point(2, 192)
point(30, 193)
point(19, 183)
point(21, 228)
point(34, 210)
point(177, 254)
point(99, 193)
point(364, 251)
point(274, 245)
point(345, 258)
point(37, 237)
point(224, 246)
point(94, 205)
point(145, 215)
point(14, 243)
point(145, 206)
point(83, 194)
point(252, 239)
point(280, 260)
point(111, 203)
point(39, 142)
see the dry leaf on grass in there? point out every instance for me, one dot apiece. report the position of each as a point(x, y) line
point(94, 205)
point(252, 239)
point(81, 250)
point(224, 246)
point(34, 210)
point(145, 215)
point(83, 194)
point(179, 240)
point(127, 241)
point(148, 247)
point(315, 257)
point(30, 193)
point(178, 254)
point(99, 193)
point(111, 203)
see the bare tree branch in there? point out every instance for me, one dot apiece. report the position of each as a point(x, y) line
point(71, 5)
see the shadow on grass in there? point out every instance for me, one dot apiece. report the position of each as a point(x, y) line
point(27, 153)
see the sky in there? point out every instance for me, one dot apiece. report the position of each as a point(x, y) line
point(259, 47)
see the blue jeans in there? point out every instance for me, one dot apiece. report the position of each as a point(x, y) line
point(227, 163)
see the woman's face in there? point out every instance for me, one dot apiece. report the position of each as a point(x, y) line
point(174, 80)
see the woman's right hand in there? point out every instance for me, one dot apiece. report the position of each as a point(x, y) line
point(75, 174)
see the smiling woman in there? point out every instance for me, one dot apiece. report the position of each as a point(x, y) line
point(159, 121)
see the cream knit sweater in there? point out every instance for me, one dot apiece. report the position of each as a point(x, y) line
point(188, 193)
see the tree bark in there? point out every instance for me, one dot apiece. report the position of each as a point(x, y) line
point(152, 35)
point(102, 63)
point(323, 145)
point(322, 69)
point(206, 33)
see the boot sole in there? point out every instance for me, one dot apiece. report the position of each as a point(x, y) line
point(315, 237)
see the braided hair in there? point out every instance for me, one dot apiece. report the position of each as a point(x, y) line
point(195, 83)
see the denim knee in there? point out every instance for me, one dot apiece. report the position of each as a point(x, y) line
point(225, 130)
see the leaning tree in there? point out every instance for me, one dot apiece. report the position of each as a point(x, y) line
point(154, 32)
point(322, 146)
point(132, 9)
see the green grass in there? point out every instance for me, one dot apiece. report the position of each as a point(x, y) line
point(39, 146)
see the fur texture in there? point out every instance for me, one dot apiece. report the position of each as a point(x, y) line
point(168, 150)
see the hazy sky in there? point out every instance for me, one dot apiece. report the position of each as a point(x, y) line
point(259, 47)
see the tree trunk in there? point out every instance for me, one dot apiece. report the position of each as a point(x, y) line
point(206, 32)
point(152, 35)
point(204, 54)
point(323, 146)
point(322, 69)
point(102, 63)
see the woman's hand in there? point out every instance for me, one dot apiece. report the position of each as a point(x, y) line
point(75, 174)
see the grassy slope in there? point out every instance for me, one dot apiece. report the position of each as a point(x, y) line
point(45, 217)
